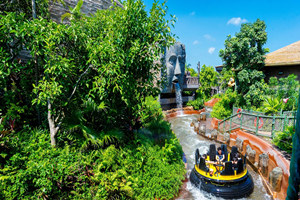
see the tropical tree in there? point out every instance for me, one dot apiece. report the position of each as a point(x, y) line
point(244, 55)
point(208, 78)
point(108, 58)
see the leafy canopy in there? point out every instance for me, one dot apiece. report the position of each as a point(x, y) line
point(208, 78)
point(245, 50)
point(107, 59)
point(244, 55)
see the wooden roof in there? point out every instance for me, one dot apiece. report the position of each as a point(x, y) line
point(289, 55)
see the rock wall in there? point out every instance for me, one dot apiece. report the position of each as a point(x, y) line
point(89, 6)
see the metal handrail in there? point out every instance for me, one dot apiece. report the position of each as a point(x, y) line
point(257, 130)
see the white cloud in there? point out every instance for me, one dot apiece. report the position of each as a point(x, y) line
point(211, 50)
point(236, 21)
point(195, 42)
point(209, 37)
point(193, 13)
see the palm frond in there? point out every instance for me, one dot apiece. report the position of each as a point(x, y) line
point(66, 15)
point(91, 106)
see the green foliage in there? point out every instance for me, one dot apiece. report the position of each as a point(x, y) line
point(197, 104)
point(138, 170)
point(191, 70)
point(74, 13)
point(272, 105)
point(284, 140)
point(150, 111)
point(244, 54)
point(91, 78)
point(208, 79)
point(35, 169)
point(223, 108)
point(289, 88)
point(101, 58)
point(224, 78)
point(245, 50)
point(25, 7)
point(255, 95)
point(285, 88)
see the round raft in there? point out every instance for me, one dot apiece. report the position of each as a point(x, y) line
point(222, 180)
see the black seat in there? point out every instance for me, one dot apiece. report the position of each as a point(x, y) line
point(233, 152)
point(227, 169)
point(212, 152)
point(224, 150)
point(202, 165)
point(197, 156)
point(240, 166)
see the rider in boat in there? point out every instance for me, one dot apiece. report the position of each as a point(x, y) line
point(220, 155)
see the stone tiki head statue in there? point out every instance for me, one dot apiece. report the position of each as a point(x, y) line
point(174, 61)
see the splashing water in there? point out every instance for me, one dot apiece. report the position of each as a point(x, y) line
point(190, 141)
point(178, 96)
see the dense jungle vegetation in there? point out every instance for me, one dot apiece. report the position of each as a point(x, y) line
point(79, 117)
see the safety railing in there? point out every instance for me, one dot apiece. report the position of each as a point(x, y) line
point(191, 80)
point(284, 113)
point(258, 124)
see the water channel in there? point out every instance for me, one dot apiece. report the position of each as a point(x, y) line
point(190, 140)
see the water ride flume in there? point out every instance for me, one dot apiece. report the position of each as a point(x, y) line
point(228, 178)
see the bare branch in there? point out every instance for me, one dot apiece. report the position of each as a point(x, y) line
point(85, 72)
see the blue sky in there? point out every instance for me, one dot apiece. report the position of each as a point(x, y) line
point(203, 26)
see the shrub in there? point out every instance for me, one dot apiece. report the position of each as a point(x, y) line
point(150, 111)
point(197, 103)
point(38, 170)
point(284, 140)
point(223, 108)
point(148, 167)
point(272, 105)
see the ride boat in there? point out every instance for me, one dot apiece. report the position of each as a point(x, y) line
point(222, 179)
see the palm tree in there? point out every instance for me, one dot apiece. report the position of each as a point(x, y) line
point(76, 125)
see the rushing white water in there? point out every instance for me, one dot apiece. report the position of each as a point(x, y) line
point(178, 96)
point(189, 141)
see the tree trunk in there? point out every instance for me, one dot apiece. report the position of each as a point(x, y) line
point(33, 9)
point(53, 129)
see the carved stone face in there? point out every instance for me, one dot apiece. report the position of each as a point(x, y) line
point(175, 66)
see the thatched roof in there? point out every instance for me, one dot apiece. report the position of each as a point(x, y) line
point(57, 9)
point(289, 55)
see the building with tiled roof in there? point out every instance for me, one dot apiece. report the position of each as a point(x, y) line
point(283, 62)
